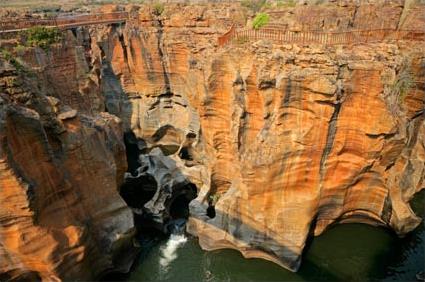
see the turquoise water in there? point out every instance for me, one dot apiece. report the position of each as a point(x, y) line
point(348, 252)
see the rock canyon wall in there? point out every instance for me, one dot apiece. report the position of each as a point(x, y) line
point(281, 141)
point(62, 163)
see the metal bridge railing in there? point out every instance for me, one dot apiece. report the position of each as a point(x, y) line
point(325, 38)
point(63, 22)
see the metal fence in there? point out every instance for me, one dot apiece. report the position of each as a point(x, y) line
point(317, 37)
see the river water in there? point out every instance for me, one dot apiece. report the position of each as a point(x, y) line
point(347, 252)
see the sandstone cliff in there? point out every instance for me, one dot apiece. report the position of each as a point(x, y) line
point(281, 141)
point(289, 139)
point(61, 166)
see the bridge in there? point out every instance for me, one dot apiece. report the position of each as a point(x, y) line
point(281, 35)
point(64, 22)
point(273, 32)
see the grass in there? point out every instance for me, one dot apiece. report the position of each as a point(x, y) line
point(34, 4)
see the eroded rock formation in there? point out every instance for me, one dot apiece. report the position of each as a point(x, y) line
point(60, 212)
point(281, 141)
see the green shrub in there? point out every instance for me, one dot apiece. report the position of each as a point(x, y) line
point(20, 49)
point(42, 37)
point(213, 199)
point(253, 5)
point(260, 20)
point(47, 9)
point(8, 56)
point(158, 9)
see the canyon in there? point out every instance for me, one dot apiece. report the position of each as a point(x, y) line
point(259, 145)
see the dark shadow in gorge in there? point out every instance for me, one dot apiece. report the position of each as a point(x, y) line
point(157, 193)
point(149, 235)
point(139, 189)
point(132, 152)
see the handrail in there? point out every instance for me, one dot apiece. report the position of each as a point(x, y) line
point(66, 21)
point(222, 40)
point(319, 37)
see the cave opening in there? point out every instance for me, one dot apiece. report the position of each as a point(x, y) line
point(185, 154)
point(212, 199)
point(179, 208)
point(137, 191)
point(132, 151)
point(170, 210)
point(211, 211)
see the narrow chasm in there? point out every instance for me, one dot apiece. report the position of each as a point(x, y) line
point(156, 191)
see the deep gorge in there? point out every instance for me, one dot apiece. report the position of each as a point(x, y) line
point(122, 134)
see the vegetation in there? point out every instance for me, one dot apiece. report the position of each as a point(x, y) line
point(8, 56)
point(42, 37)
point(102, 2)
point(158, 9)
point(47, 9)
point(260, 20)
point(213, 199)
point(254, 5)
point(285, 3)
point(404, 82)
point(20, 49)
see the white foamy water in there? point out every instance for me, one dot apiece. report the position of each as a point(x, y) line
point(169, 252)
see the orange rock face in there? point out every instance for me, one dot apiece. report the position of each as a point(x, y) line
point(282, 141)
point(61, 216)
point(290, 140)
point(316, 145)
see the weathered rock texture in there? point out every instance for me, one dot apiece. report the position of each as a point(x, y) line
point(61, 215)
point(292, 139)
point(283, 140)
point(319, 140)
